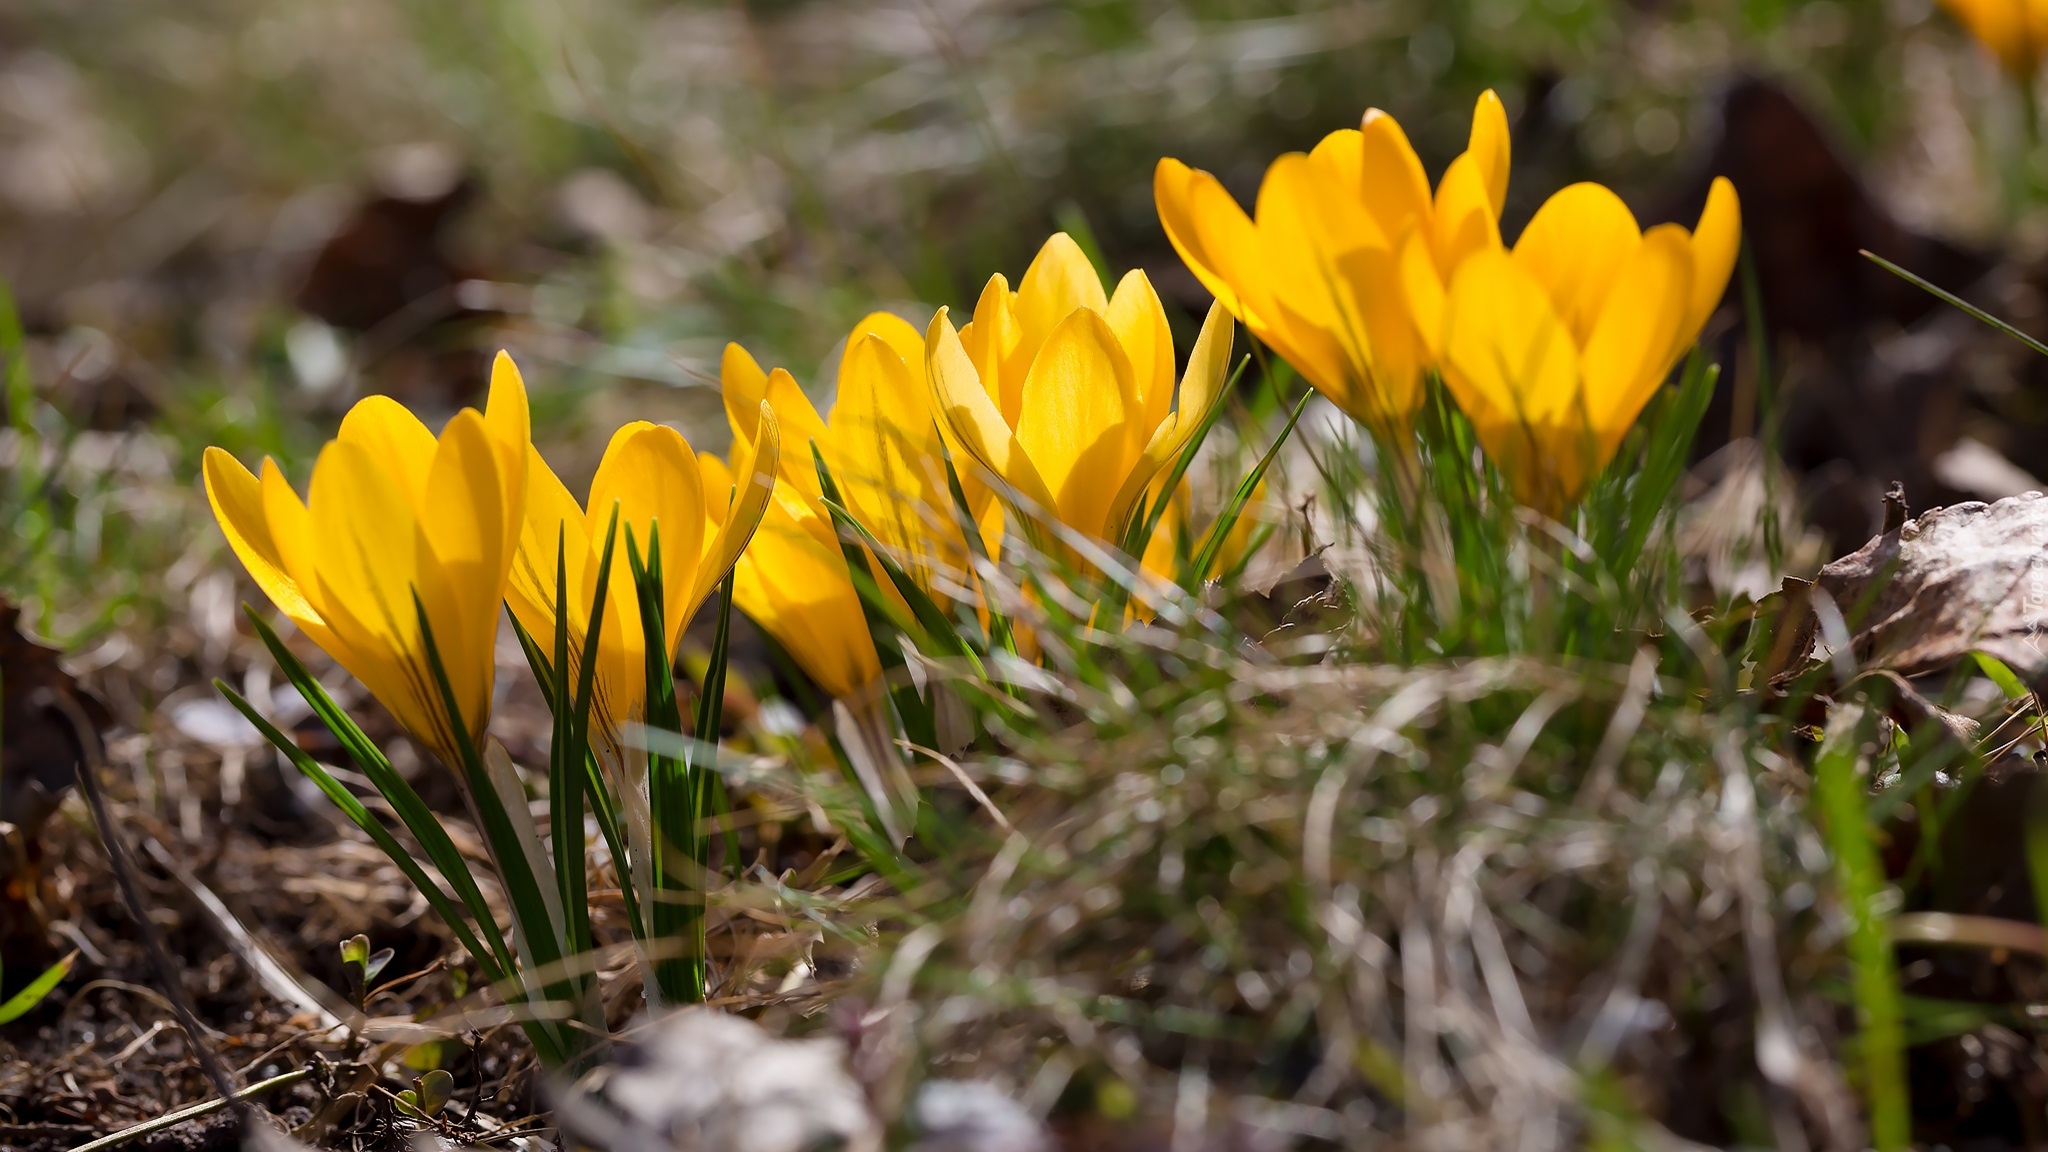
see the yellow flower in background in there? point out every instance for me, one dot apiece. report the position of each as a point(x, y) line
point(1318, 271)
point(2016, 31)
point(395, 518)
point(1553, 350)
point(650, 477)
point(1067, 395)
point(889, 465)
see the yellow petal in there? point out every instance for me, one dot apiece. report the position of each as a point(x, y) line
point(237, 500)
point(1337, 294)
point(650, 475)
point(1464, 217)
point(1059, 280)
point(1336, 171)
point(1214, 237)
point(755, 488)
point(1513, 368)
point(292, 531)
point(1200, 391)
point(1139, 321)
point(1391, 183)
point(799, 424)
point(717, 487)
point(1490, 149)
point(391, 434)
point(795, 587)
point(1715, 243)
point(970, 418)
point(1636, 338)
point(553, 521)
point(743, 385)
point(369, 567)
point(887, 455)
point(2011, 29)
point(1078, 419)
point(462, 546)
point(1313, 317)
point(510, 422)
point(899, 334)
point(991, 340)
point(1424, 288)
point(1575, 246)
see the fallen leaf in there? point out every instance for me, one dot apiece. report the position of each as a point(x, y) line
point(1966, 578)
point(39, 754)
point(38, 749)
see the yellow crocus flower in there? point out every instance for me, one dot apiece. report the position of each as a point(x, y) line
point(1317, 272)
point(1553, 350)
point(1066, 395)
point(395, 518)
point(2015, 31)
point(649, 477)
point(889, 465)
point(888, 462)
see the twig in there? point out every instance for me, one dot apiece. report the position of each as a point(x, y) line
point(173, 1119)
point(1970, 932)
point(90, 757)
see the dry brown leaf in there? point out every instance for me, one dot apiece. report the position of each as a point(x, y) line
point(38, 749)
point(1966, 578)
point(39, 753)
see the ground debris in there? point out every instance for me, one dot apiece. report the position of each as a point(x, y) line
point(1967, 578)
point(38, 752)
point(703, 1081)
point(38, 749)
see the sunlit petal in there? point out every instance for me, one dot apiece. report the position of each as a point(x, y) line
point(1512, 366)
point(237, 499)
point(1214, 237)
point(510, 421)
point(1633, 344)
point(1715, 243)
point(461, 549)
point(1465, 222)
point(970, 418)
point(1077, 423)
point(992, 340)
point(752, 490)
point(1575, 246)
point(391, 434)
point(1390, 182)
point(1201, 389)
point(1490, 148)
point(1139, 321)
point(743, 384)
point(1059, 280)
point(650, 475)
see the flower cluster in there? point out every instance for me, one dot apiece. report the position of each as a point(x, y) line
point(1057, 422)
point(1366, 282)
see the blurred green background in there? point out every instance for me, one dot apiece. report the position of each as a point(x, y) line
point(221, 220)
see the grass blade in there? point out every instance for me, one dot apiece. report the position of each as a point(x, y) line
point(413, 812)
point(1955, 301)
point(884, 623)
point(1145, 521)
point(32, 994)
point(1881, 1041)
point(675, 898)
point(604, 807)
point(1219, 532)
point(710, 720)
point(363, 818)
point(531, 915)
